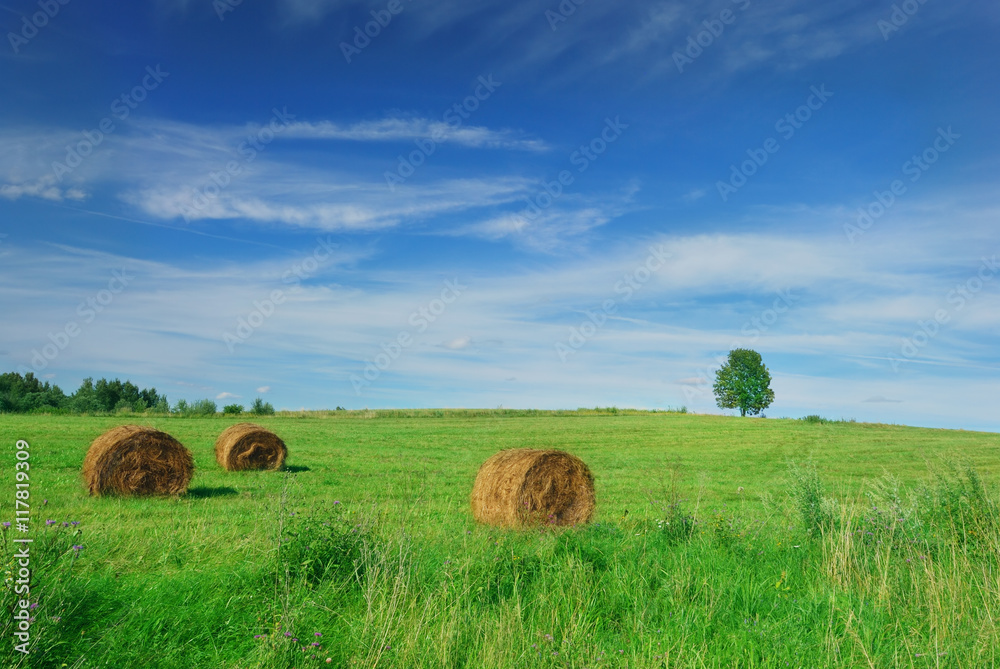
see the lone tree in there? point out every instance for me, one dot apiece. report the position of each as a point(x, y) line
point(743, 383)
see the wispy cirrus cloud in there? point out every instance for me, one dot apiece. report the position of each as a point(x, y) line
point(399, 129)
point(324, 200)
point(507, 321)
point(44, 187)
point(172, 170)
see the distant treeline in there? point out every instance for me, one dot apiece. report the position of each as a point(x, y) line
point(26, 394)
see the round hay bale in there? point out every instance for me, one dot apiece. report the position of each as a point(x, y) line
point(525, 486)
point(137, 460)
point(249, 446)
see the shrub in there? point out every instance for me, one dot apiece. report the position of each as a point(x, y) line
point(261, 408)
point(962, 505)
point(204, 408)
point(677, 524)
point(182, 407)
point(317, 550)
point(124, 406)
point(807, 491)
point(232, 409)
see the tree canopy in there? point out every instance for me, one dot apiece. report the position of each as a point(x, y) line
point(24, 394)
point(743, 383)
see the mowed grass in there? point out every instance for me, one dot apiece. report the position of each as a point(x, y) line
point(701, 553)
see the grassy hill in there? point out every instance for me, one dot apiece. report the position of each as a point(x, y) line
point(717, 542)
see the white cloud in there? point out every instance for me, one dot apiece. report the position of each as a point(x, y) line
point(399, 129)
point(43, 187)
point(226, 396)
point(166, 168)
point(263, 389)
point(458, 344)
point(689, 311)
point(552, 230)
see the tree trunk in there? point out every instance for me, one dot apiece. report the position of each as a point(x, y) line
point(743, 412)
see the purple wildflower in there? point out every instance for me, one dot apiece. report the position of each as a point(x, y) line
point(50, 522)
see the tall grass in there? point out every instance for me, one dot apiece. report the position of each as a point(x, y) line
point(733, 559)
point(890, 579)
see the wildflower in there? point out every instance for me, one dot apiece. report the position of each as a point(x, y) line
point(317, 634)
point(315, 644)
point(259, 636)
point(288, 634)
point(50, 522)
point(34, 605)
point(6, 524)
point(77, 548)
point(74, 523)
point(65, 524)
point(336, 502)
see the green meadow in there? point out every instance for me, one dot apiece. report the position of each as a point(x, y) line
point(717, 542)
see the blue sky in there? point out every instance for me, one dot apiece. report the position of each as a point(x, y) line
point(519, 204)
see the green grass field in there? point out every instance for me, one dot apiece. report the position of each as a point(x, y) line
point(707, 550)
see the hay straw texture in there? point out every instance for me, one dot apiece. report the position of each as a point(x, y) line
point(525, 486)
point(135, 460)
point(249, 446)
